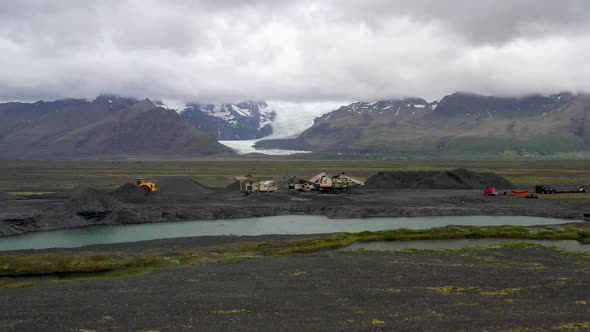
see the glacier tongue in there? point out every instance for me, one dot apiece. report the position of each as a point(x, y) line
point(288, 119)
point(247, 146)
point(292, 118)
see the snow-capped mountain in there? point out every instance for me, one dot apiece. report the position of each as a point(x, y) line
point(460, 124)
point(396, 108)
point(241, 121)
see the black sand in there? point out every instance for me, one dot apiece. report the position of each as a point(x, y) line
point(475, 290)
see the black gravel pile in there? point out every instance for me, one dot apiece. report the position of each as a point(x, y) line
point(74, 191)
point(130, 193)
point(234, 186)
point(89, 199)
point(179, 186)
point(454, 179)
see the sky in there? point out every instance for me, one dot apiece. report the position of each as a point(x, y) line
point(292, 51)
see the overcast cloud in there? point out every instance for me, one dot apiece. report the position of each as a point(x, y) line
point(296, 51)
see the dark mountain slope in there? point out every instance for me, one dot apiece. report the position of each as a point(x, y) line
point(30, 123)
point(140, 130)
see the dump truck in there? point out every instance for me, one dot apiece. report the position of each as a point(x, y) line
point(250, 184)
point(146, 185)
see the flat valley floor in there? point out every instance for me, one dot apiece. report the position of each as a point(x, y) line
point(513, 287)
point(502, 288)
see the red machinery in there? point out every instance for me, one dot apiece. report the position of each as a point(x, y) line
point(491, 191)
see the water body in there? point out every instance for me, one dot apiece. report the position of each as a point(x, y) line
point(102, 234)
point(460, 243)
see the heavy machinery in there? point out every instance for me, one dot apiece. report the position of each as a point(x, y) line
point(540, 189)
point(544, 190)
point(146, 185)
point(337, 182)
point(326, 182)
point(250, 184)
point(300, 184)
point(490, 191)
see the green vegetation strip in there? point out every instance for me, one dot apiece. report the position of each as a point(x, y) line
point(17, 267)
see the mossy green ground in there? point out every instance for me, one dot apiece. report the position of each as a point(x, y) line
point(16, 268)
point(492, 288)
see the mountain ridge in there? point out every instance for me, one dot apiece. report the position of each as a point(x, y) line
point(240, 121)
point(102, 128)
point(459, 123)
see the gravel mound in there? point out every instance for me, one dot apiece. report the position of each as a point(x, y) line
point(130, 193)
point(180, 185)
point(234, 186)
point(454, 179)
point(89, 199)
point(74, 191)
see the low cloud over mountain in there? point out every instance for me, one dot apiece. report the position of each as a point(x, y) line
point(297, 50)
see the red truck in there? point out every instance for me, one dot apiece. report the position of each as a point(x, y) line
point(491, 191)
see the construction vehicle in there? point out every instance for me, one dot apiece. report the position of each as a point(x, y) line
point(250, 184)
point(146, 185)
point(300, 184)
point(540, 189)
point(544, 190)
point(490, 191)
point(327, 183)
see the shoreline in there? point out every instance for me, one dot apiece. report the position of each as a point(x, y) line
point(54, 212)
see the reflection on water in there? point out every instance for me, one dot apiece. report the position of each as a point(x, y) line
point(460, 243)
point(101, 234)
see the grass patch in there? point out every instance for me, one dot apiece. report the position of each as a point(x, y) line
point(447, 290)
point(229, 312)
point(585, 326)
point(504, 291)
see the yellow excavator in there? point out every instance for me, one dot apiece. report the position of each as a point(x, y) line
point(146, 185)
